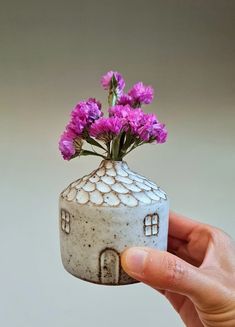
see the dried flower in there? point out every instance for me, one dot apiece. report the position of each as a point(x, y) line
point(113, 80)
point(136, 120)
point(66, 144)
point(105, 129)
point(125, 99)
point(141, 93)
point(126, 128)
point(132, 118)
point(152, 130)
point(144, 126)
point(84, 113)
point(160, 133)
point(120, 111)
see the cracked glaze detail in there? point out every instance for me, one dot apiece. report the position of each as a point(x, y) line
point(114, 184)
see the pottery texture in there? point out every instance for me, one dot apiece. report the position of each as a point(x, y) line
point(103, 213)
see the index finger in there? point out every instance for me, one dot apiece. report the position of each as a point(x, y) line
point(180, 226)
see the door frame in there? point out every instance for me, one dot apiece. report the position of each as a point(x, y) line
point(119, 264)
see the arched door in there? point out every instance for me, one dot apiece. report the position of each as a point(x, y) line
point(109, 266)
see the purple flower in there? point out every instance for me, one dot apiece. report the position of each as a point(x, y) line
point(160, 133)
point(135, 120)
point(120, 111)
point(144, 126)
point(124, 113)
point(125, 99)
point(141, 93)
point(126, 127)
point(66, 144)
point(87, 111)
point(84, 114)
point(106, 129)
point(94, 110)
point(107, 82)
point(152, 130)
point(131, 118)
point(77, 126)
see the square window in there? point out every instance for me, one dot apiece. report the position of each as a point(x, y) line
point(151, 224)
point(65, 221)
point(67, 216)
point(67, 228)
point(148, 220)
point(62, 214)
point(63, 224)
point(148, 230)
point(155, 219)
point(154, 229)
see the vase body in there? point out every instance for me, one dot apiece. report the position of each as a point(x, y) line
point(105, 212)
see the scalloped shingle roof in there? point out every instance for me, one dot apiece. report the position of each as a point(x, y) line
point(113, 184)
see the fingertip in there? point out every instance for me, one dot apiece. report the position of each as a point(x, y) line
point(133, 260)
point(123, 260)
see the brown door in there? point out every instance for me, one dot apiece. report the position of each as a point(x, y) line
point(109, 267)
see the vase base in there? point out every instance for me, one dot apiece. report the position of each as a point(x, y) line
point(130, 280)
point(98, 283)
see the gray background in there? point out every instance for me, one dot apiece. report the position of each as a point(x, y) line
point(52, 55)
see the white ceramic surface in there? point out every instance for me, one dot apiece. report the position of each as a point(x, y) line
point(105, 212)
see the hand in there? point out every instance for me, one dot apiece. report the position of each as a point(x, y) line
point(197, 277)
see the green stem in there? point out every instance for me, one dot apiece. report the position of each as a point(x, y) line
point(88, 153)
point(128, 142)
point(112, 98)
point(94, 142)
point(115, 148)
point(108, 149)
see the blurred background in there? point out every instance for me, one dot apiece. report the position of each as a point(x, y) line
point(52, 55)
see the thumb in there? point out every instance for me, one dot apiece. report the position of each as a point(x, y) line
point(163, 270)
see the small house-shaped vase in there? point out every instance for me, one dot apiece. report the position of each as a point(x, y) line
point(105, 212)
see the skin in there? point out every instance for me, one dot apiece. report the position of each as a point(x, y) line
point(196, 275)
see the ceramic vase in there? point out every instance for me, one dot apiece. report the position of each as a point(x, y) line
point(103, 213)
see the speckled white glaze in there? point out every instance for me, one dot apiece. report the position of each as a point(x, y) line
point(105, 212)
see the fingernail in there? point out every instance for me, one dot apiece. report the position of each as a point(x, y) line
point(135, 260)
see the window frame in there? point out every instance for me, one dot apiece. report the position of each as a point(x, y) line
point(65, 221)
point(151, 224)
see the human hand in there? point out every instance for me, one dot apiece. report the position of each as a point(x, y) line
point(197, 277)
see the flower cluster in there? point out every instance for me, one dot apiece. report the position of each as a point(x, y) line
point(142, 126)
point(82, 116)
point(105, 129)
point(126, 127)
point(113, 81)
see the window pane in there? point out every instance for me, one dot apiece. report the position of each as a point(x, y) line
point(148, 231)
point(62, 214)
point(67, 216)
point(147, 220)
point(155, 219)
point(63, 224)
point(154, 229)
point(67, 228)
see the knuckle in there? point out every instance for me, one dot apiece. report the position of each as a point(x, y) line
point(218, 235)
point(215, 232)
point(175, 270)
